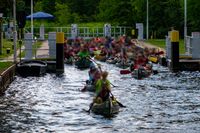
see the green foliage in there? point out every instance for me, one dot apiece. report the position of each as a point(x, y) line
point(8, 44)
point(163, 14)
point(20, 5)
point(49, 6)
point(193, 15)
point(85, 9)
point(64, 16)
point(116, 12)
point(92, 24)
point(38, 6)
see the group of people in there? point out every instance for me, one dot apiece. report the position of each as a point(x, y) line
point(122, 48)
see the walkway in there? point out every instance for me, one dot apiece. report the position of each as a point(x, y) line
point(43, 51)
point(144, 44)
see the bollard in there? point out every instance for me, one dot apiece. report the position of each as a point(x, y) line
point(174, 35)
point(60, 52)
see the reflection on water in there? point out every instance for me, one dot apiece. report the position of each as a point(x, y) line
point(165, 102)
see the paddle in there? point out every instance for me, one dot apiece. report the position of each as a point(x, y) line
point(123, 72)
point(113, 85)
point(120, 104)
point(88, 111)
point(84, 89)
point(160, 53)
point(94, 61)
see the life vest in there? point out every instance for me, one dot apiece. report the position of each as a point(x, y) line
point(104, 93)
point(102, 89)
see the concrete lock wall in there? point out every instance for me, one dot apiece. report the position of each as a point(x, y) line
point(74, 31)
point(52, 44)
point(107, 30)
point(195, 45)
point(140, 28)
point(28, 45)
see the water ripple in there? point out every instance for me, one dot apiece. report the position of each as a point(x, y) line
point(165, 102)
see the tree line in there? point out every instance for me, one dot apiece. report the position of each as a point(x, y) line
point(162, 14)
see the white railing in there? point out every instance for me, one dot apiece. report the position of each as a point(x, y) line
point(85, 32)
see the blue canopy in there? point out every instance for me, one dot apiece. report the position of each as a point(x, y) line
point(40, 15)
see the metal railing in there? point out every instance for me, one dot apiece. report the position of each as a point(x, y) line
point(85, 32)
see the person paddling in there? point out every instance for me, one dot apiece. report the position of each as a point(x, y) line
point(140, 61)
point(94, 74)
point(103, 89)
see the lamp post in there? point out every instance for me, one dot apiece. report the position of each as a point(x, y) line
point(1, 38)
point(147, 27)
point(32, 18)
point(14, 31)
point(185, 21)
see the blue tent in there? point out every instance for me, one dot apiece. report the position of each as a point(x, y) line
point(40, 15)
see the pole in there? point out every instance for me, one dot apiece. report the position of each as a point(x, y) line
point(174, 36)
point(1, 38)
point(14, 31)
point(20, 51)
point(185, 21)
point(32, 18)
point(60, 52)
point(147, 34)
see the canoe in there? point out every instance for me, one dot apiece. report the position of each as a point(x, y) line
point(153, 59)
point(111, 61)
point(31, 68)
point(83, 63)
point(107, 108)
point(100, 58)
point(140, 73)
point(122, 65)
point(90, 87)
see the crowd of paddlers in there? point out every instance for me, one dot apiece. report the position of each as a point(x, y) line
point(122, 51)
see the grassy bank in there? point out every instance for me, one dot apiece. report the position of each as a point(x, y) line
point(7, 45)
point(161, 43)
point(4, 66)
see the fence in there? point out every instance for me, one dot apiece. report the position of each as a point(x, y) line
point(192, 46)
point(84, 32)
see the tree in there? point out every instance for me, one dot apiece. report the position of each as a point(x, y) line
point(49, 6)
point(193, 15)
point(86, 9)
point(64, 16)
point(116, 11)
point(5, 7)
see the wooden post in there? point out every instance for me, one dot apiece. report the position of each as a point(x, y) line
point(174, 35)
point(60, 52)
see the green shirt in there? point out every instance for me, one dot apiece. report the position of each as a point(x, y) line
point(99, 85)
point(83, 54)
